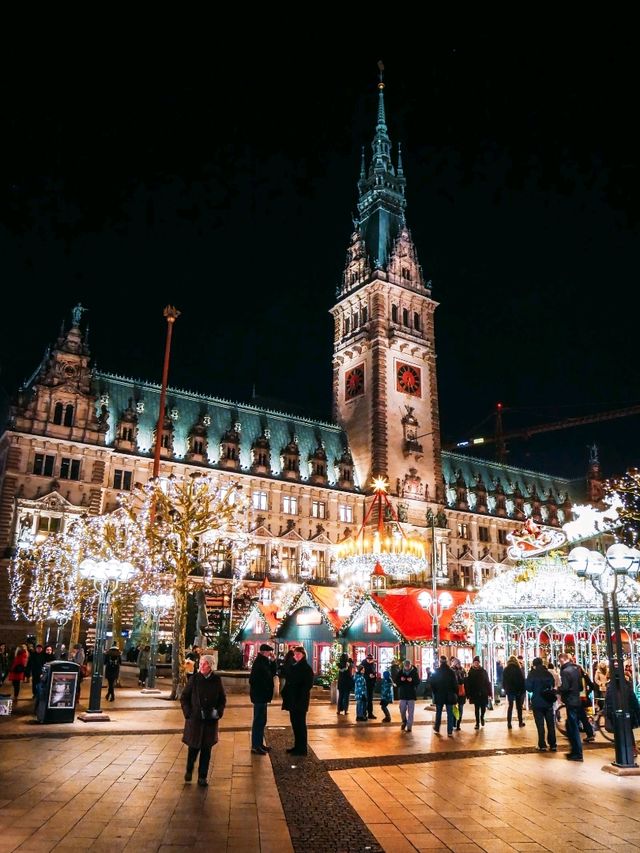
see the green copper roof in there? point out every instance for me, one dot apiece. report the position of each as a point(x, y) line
point(381, 203)
point(186, 408)
point(509, 476)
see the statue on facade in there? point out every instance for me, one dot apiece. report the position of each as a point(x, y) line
point(76, 314)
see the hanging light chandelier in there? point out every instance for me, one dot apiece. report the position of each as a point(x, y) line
point(387, 544)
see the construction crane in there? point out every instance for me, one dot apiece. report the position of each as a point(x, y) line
point(499, 438)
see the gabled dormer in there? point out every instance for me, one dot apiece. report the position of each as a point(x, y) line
point(261, 453)
point(197, 442)
point(344, 466)
point(318, 466)
point(166, 435)
point(127, 429)
point(230, 448)
point(290, 459)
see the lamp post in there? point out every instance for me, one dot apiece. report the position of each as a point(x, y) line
point(156, 606)
point(106, 577)
point(61, 617)
point(604, 572)
point(436, 606)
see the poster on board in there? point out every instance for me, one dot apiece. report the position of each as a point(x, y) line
point(62, 693)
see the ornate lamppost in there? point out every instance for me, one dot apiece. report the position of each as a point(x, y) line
point(106, 577)
point(435, 604)
point(61, 618)
point(606, 572)
point(156, 606)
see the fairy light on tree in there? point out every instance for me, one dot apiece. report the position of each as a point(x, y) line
point(174, 514)
point(627, 490)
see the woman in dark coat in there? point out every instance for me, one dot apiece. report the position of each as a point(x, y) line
point(477, 687)
point(345, 683)
point(203, 700)
point(513, 685)
point(295, 698)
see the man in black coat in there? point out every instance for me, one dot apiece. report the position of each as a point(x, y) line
point(203, 700)
point(261, 693)
point(370, 676)
point(444, 685)
point(37, 660)
point(570, 687)
point(295, 698)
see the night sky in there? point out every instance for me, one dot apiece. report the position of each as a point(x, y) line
point(230, 194)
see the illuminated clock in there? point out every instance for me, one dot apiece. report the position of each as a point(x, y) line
point(408, 379)
point(354, 382)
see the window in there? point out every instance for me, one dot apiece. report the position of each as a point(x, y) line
point(345, 513)
point(165, 440)
point(406, 275)
point(43, 465)
point(122, 480)
point(386, 655)
point(463, 530)
point(48, 524)
point(405, 316)
point(416, 321)
point(57, 413)
point(69, 469)
point(502, 537)
point(288, 561)
point(354, 320)
point(198, 446)
point(483, 534)
point(364, 315)
point(318, 558)
point(68, 415)
point(318, 509)
point(259, 563)
point(373, 624)
point(260, 500)
point(394, 313)
point(347, 325)
point(126, 434)
point(290, 504)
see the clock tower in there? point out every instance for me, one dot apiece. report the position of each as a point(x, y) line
point(385, 393)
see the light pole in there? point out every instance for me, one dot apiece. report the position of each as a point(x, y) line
point(106, 577)
point(61, 617)
point(156, 606)
point(604, 572)
point(435, 605)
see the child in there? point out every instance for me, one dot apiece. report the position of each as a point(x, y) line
point(386, 695)
point(360, 693)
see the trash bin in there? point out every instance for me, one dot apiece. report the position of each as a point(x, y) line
point(57, 690)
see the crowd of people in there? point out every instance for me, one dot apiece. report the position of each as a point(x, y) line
point(24, 663)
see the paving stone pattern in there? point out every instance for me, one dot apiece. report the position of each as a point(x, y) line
point(319, 816)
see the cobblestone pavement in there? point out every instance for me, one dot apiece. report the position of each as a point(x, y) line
point(364, 787)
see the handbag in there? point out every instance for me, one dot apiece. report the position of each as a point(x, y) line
point(461, 690)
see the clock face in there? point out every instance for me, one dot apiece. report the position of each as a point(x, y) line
point(354, 382)
point(408, 379)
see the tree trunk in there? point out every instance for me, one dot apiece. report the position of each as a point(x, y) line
point(179, 628)
point(40, 631)
point(75, 629)
point(116, 615)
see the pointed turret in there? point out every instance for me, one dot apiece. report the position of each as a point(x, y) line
point(381, 189)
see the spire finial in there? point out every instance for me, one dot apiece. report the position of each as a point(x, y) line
point(400, 169)
point(382, 120)
point(362, 165)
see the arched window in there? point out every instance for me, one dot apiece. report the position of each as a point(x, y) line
point(347, 325)
point(416, 321)
point(68, 415)
point(394, 313)
point(405, 317)
point(364, 316)
point(57, 413)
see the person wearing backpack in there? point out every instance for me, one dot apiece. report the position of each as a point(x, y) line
point(112, 670)
point(541, 685)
